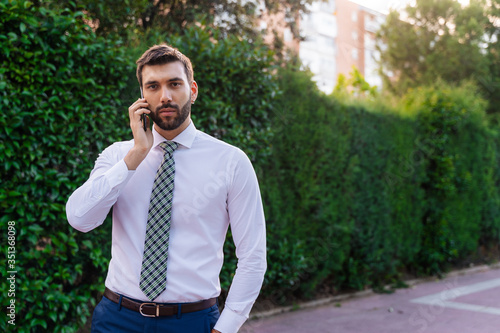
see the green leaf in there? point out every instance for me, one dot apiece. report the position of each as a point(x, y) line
point(87, 243)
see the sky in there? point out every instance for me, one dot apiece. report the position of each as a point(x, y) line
point(383, 6)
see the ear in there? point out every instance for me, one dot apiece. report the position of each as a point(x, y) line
point(194, 91)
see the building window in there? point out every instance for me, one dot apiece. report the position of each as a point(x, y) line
point(287, 35)
point(354, 16)
point(355, 54)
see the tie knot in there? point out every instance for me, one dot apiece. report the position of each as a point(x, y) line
point(169, 146)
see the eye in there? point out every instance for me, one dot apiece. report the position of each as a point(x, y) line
point(152, 86)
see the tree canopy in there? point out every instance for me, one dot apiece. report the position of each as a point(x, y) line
point(442, 38)
point(231, 16)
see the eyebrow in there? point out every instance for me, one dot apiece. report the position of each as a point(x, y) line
point(175, 79)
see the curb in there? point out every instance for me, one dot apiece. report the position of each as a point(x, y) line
point(365, 293)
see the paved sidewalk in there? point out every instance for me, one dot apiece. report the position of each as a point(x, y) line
point(464, 302)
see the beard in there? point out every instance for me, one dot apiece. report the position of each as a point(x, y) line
point(172, 123)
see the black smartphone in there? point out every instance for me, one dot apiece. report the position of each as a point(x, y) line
point(143, 116)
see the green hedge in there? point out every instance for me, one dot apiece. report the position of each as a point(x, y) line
point(458, 185)
point(357, 195)
point(303, 190)
point(59, 90)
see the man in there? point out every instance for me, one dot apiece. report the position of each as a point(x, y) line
point(174, 192)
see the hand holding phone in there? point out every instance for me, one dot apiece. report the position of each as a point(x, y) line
point(143, 141)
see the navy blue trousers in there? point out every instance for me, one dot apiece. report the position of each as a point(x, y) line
point(110, 317)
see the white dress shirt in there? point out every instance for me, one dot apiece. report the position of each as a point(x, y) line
point(215, 186)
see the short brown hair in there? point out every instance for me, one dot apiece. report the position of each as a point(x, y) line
point(163, 54)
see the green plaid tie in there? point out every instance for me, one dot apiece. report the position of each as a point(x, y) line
point(154, 261)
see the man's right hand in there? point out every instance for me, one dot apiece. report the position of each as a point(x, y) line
point(143, 140)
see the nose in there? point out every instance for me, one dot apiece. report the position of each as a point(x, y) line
point(166, 96)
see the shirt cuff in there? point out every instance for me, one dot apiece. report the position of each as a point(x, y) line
point(229, 321)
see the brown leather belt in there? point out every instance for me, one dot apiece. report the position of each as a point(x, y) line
point(148, 309)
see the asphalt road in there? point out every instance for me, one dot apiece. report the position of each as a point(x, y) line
point(464, 302)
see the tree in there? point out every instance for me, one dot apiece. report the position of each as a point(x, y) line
point(441, 38)
point(491, 82)
point(355, 85)
point(231, 16)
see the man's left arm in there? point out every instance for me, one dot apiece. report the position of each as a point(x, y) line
point(246, 217)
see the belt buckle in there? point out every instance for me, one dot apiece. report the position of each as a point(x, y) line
point(148, 315)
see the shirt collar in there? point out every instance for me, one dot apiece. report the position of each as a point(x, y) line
point(185, 138)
